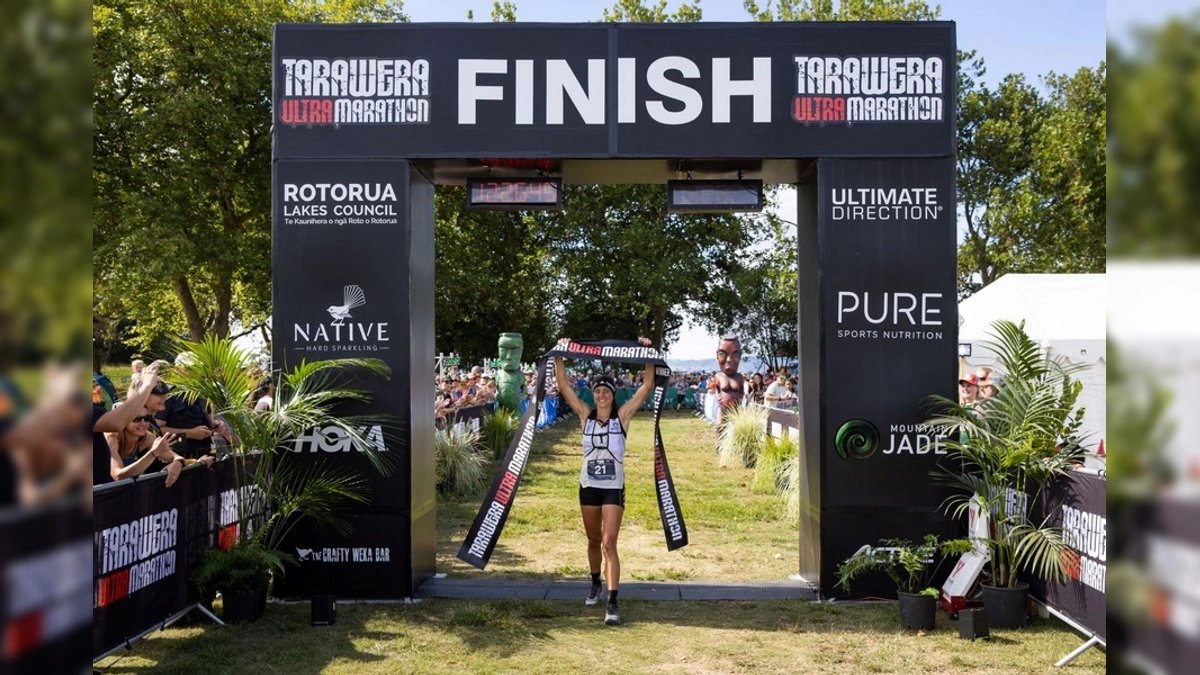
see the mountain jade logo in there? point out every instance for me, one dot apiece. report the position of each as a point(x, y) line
point(856, 439)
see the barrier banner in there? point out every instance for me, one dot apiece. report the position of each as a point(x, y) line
point(146, 539)
point(1077, 504)
point(43, 598)
point(493, 513)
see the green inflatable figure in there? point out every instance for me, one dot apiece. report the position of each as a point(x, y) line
point(510, 383)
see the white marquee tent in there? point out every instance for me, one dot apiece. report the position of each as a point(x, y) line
point(1065, 312)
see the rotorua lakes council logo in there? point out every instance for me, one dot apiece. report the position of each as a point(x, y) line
point(856, 439)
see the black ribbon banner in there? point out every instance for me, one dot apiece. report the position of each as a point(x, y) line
point(485, 531)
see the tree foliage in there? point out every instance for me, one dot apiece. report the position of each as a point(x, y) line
point(1031, 171)
point(844, 10)
point(1155, 142)
point(181, 156)
point(757, 301)
point(492, 277)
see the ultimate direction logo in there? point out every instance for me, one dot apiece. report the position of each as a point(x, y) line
point(354, 91)
point(340, 335)
point(850, 89)
point(872, 204)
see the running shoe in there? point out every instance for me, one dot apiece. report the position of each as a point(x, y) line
point(611, 617)
point(593, 595)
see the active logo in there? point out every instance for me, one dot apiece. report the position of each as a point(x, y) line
point(856, 439)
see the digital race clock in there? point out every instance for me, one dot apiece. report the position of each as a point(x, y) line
point(714, 195)
point(514, 194)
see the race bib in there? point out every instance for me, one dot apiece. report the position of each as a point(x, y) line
point(602, 469)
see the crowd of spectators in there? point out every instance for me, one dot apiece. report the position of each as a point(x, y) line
point(457, 388)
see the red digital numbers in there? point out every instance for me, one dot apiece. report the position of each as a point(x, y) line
point(514, 194)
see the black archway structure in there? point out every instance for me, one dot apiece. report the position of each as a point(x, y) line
point(369, 117)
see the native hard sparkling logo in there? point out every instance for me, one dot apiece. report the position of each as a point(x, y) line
point(856, 439)
point(340, 335)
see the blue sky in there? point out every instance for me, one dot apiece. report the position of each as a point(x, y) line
point(1016, 36)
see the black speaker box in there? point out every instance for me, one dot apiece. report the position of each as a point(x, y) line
point(973, 623)
point(324, 610)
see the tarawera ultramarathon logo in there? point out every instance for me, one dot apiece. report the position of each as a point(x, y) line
point(869, 89)
point(354, 91)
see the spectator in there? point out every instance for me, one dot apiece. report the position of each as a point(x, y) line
point(134, 449)
point(264, 395)
point(487, 392)
point(190, 420)
point(968, 390)
point(991, 386)
point(137, 366)
point(44, 448)
point(789, 396)
point(756, 390)
point(982, 374)
point(777, 392)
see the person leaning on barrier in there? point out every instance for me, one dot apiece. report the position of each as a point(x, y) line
point(134, 449)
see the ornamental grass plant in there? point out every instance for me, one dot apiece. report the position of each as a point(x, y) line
point(745, 436)
point(460, 461)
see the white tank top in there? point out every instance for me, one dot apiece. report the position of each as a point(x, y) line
point(603, 453)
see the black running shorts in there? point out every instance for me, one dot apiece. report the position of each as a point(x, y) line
point(592, 496)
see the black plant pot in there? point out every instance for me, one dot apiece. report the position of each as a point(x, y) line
point(1006, 606)
point(243, 606)
point(917, 612)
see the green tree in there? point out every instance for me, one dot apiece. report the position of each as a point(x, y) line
point(492, 277)
point(757, 302)
point(996, 132)
point(845, 10)
point(1155, 142)
point(44, 193)
point(1031, 171)
point(181, 157)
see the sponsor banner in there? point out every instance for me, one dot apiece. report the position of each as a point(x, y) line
point(1159, 544)
point(1076, 503)
point(146, 539)
point(44, 617)
point(364, 564)
point(615, 90)
point(341, 291)
point(497, 503)
point(889, 334)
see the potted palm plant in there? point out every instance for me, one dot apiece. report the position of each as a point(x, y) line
point(289, 487)
point(911, 566)
point(1002, 453)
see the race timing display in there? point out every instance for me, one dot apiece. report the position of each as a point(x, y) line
point(514, 194)
point(698, 196)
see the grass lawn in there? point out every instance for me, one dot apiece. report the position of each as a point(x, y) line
point(736, 534)
point(460, 636)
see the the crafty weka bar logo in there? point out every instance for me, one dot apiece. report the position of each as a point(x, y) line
point(869, 89)
point(353, 91)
